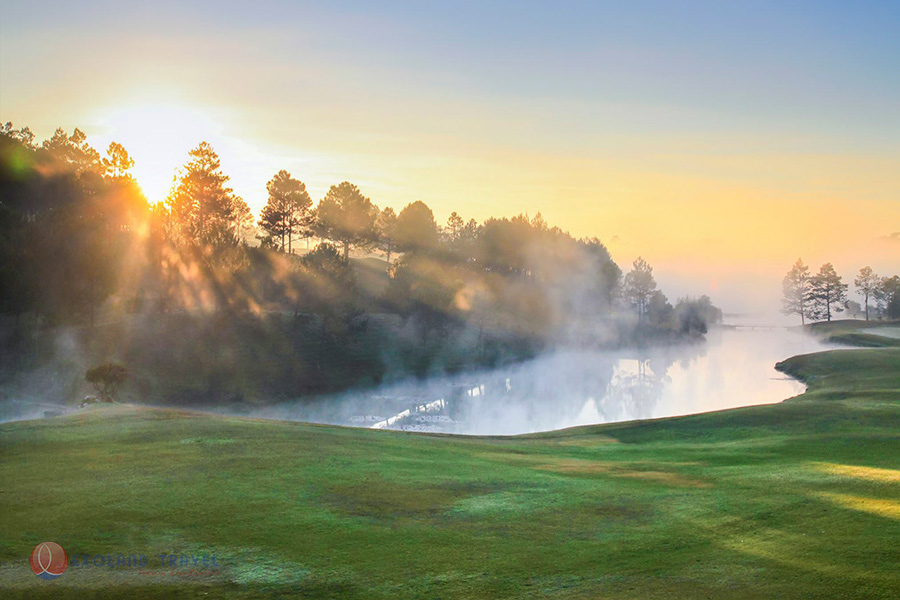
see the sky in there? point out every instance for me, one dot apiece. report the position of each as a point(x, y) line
point(719, 140)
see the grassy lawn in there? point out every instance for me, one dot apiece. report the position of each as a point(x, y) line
point(795, 500)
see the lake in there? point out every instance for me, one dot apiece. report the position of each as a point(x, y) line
point(570, 387)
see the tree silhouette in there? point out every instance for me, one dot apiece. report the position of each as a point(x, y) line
point(887, 297)
point(203, 211)
point(866, 283)
point(416, 229)
point(386, 226)
point(345, 216)
point(454, 228)
point(639, 287)
point(287, 211)
point(795, 287)
point(117, 163)
point(106, 379)
point(826, 293)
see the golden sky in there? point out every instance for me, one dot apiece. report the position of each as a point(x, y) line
point(720, 143)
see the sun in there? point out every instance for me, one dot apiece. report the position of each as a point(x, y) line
point(158, 136)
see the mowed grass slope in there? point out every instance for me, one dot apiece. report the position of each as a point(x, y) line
point(855, 332)
point(795, 500)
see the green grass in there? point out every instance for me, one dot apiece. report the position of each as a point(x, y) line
point(848, 332)
point(795, 500)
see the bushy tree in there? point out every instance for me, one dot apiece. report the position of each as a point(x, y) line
point(826, 294)
point(659, 311)
point(505, 245)
point(106, 379)
point(416, 229)
point(887, 297)
point(347, 217)
point(693, 316)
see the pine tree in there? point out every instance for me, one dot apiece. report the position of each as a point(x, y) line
point(639, 287)
point(795, 286)
point(202, 210)
point(287, 211)
point(826, 294)
point(867, 282)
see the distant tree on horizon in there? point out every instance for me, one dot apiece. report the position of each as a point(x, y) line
point(887, 297)
point(795, 286)
point(866, 283)
point(454, 227)
point(459, 236)
point(639, 286)
point(345, 216)
point(694, 315)
point(826, 293)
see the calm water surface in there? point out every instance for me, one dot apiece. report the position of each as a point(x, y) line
point(579, 387)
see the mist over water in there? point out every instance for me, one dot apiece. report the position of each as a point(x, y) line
point(566, 388)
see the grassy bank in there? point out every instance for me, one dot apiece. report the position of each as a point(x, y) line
point(799, 499)
point(854, 332)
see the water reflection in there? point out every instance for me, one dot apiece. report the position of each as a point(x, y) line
point(567, 388)
point(578, 387)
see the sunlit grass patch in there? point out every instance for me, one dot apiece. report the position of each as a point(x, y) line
point(860, 472)
point(640, 471)
point(518, 502)
point(875, 506)
point(799, 552)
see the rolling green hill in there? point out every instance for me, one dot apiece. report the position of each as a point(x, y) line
point(795, 500)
